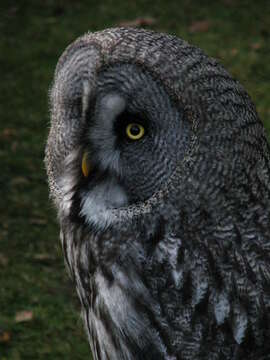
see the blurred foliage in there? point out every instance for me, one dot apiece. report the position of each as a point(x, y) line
point(39, 312)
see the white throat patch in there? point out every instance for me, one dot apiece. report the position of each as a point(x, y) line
point(98, 203)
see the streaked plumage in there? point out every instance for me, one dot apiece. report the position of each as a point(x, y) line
point(168, 238)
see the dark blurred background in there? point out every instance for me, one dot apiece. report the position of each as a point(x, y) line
point(39, 313)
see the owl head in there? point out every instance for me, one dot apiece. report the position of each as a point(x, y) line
point(137, 116)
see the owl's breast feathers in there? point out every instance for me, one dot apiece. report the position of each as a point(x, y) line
point(191, 286)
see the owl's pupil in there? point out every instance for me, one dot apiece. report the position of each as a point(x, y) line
point(135, 130)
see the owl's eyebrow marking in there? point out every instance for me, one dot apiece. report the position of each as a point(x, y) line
point(112, 105)
point(85, 97)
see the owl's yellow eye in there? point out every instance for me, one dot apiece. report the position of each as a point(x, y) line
point(134, 131)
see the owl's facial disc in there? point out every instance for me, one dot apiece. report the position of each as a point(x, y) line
point(135, 138)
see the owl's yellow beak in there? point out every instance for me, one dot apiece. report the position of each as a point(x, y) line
point(86, 166)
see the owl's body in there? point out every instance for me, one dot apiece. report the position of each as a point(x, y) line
point(167, 234)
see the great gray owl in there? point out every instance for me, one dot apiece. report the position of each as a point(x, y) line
point(159, 168)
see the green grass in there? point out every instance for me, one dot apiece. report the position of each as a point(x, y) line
point(33, 35)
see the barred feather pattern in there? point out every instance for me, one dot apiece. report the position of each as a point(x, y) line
point(185, 274)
